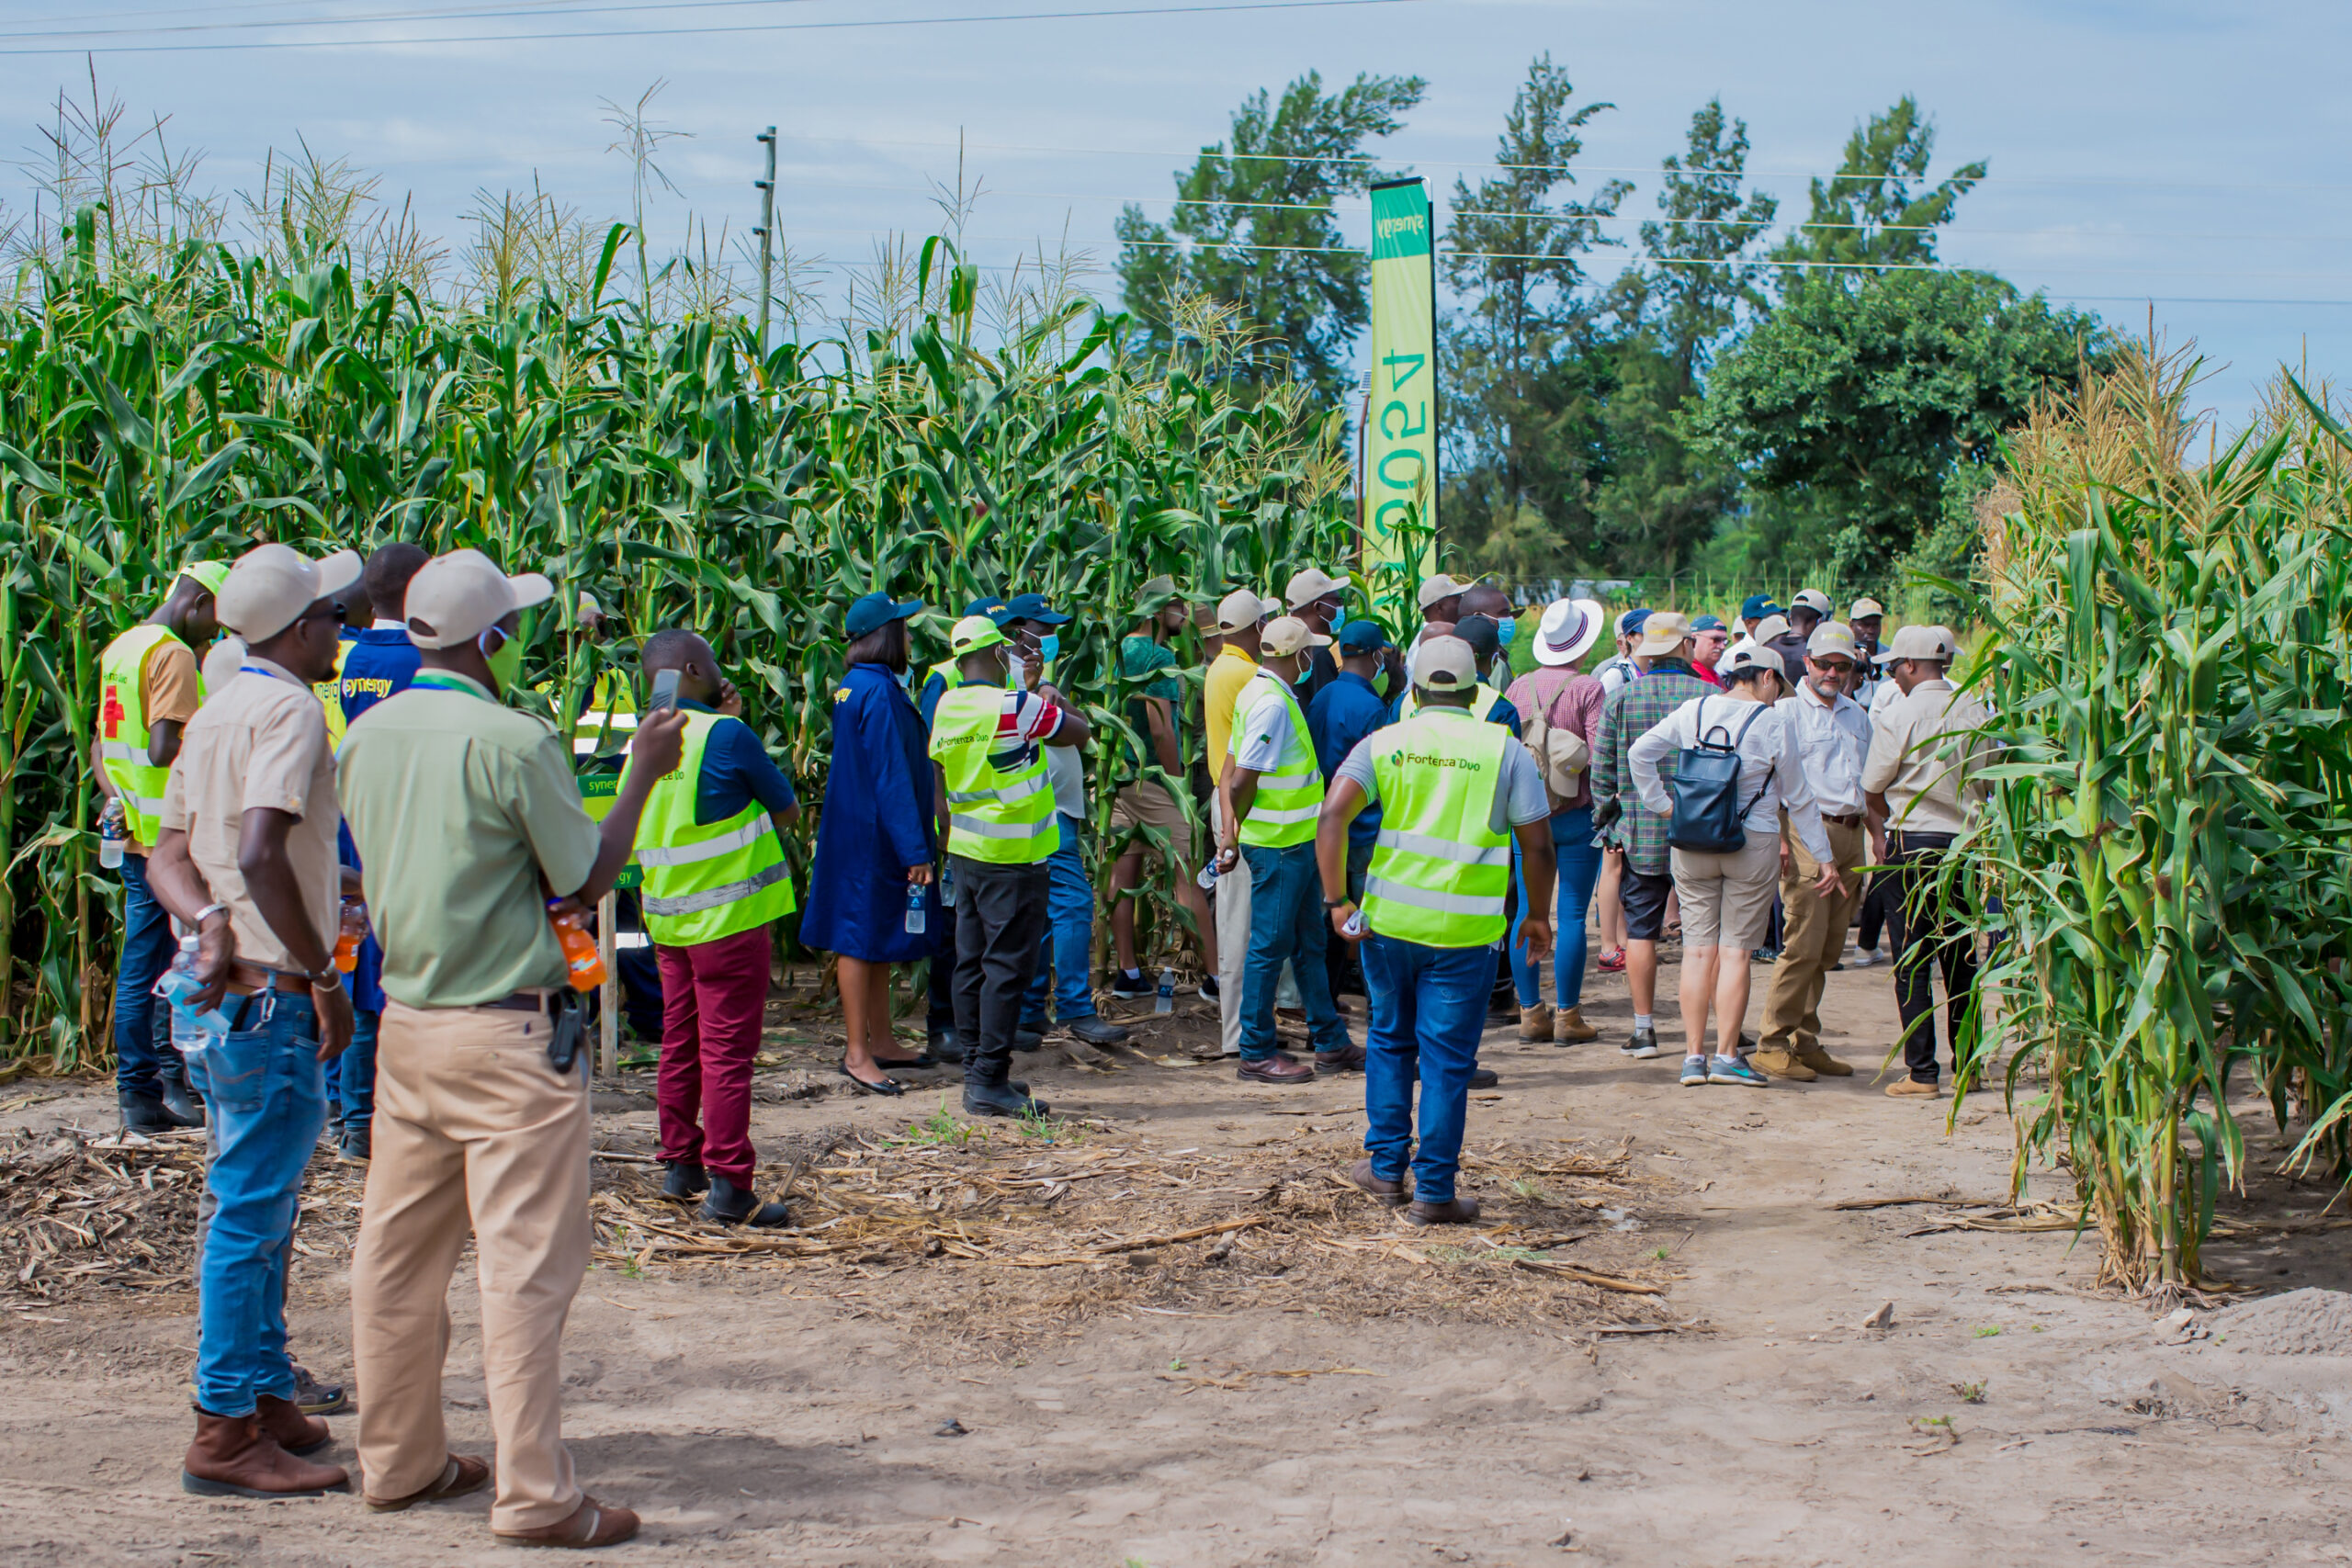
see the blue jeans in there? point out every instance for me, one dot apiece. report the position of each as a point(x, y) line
point(350, 1077)
point(147, 951)
point(1579, 869)
point(1066, 952)
point(267, 1094)
point(1286, 926)
point(1428, 1008)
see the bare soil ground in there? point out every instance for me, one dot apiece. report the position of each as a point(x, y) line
point(1650, 1351)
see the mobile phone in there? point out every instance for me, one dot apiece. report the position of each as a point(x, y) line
point(665, 690)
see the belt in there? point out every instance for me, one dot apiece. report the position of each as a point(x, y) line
point(521, 1001)
point(245, 979)
point(1851, 819)
point(1900, 839)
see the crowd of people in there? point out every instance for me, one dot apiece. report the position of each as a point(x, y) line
point(379, 868)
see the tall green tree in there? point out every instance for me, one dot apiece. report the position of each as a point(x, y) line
point(1878, 211)
point(1253, 230)
point(1523, 401)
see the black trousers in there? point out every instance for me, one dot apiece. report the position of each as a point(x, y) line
point(1927, 937)
point(1871, 917)
point(1000, 919)
point(940, 1017)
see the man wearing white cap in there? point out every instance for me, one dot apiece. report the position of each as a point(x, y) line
point(1319, 599)
point(246, 858)
point(1865, 617)
point(1917, 780)
point(1241, 616)
point(1559, 708)
point(469, 820)
point(1833, 737)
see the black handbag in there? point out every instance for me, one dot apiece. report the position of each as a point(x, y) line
point(1705, 787)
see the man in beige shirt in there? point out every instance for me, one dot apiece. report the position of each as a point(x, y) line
point(1916, 781)
point(245, 857)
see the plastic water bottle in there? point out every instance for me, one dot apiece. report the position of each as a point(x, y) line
point(193, 1032)
point(111, 834)
point(1167, 1001)
point(914, 908)
point(947, 885)
point(1208, 879)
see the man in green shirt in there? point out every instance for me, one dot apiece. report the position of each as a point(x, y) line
point(469, 823)
point(1151, 806)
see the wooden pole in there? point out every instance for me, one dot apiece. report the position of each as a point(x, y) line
point(608, 1020)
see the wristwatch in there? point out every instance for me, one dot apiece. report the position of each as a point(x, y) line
point(1337, 903)
point(330, 976)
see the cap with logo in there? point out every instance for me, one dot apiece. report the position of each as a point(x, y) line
point(1287, 636)
point(875, 611)
point(993, 608)
point(1444, 664)
point(1440, 587)
point(974, 632)
point(1812, 599)
point(1032, 607)
point(1567, 631)
point(1830, 636)
point(1362, 636)
point(455, 598)
point(1931, 643)
point(1240, 608)
point(1706, 624)
point(272, 584)
point(1665, 631)
point(1865, 609)
point(1755, 606)
point(1749, 654)
point(1310, 583)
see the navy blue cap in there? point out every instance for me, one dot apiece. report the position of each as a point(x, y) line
point(993, 608)
point(1032, 607)
point(1708, 624)
point(875, 611)
point(1484, 638)
point(1362, 636)
point(1631, 621)
point(1759, 605)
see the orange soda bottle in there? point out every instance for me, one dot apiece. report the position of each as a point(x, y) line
point(346, 942)
point(584, 964)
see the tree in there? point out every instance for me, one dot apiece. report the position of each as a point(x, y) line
point(1872, 213)
point(1521, 401)
point(1696, 271)
point(1862, 395)
point(1254, 228)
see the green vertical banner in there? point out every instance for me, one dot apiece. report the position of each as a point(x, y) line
point(1400, 465)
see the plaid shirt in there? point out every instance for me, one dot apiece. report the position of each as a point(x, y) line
point(1628, 715)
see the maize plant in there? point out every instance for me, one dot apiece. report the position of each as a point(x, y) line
point(164, 403)
point(2169, 839)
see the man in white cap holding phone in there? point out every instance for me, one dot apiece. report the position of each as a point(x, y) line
point(469, 820)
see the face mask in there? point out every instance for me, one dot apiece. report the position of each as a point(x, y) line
point(507, 662)
point(1380, 684)
point(1306, 673)
point(1017, 669)
point(1339, 622)
point(1507, 628)
point(1048, 648)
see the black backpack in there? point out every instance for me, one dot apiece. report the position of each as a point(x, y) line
point(1707, 813)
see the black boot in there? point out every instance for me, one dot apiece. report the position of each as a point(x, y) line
point(183, 1108)
point(945, 1045)
point(1098, 1031)
point(731, 1205)
point(1008, 1099)
point(685, 1182)
point(145, 1114)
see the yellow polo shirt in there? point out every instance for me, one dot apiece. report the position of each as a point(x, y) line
point(1228, 673)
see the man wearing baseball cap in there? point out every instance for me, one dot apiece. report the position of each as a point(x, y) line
point(1340, 717)
point(1269, 795)
point(147, 690)
point(1241, 616)
point(245, 857)
point(469, 820)
point(1709, 638)
point(1319, 599)
point(1618, 671)
point(1453, 794)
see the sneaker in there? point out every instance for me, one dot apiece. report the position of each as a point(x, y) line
point(1208, 987)
point(1130, 984)
point(1612, 960)
point(1902, 1089)
point(1864, 957)
point(1766, 954)
point(1695, 1070)
point(1642, 1046)
point(1730, 1069)
point(354, 1148)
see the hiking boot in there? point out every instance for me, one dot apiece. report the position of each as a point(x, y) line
point(460, 1476)
point(1006, 1099)
point(1096, 1031)
point(284, 1421)
point(178, 1104)
point(1346, 1059)
point(592, 1524)
point(1735, 1070)
point(1392, 1193)
point(233, 1457)
point(731, 1205)
point(1282, 1067)
point(1535, 1022)
point(1642, 1046)
point(1823, 1063)
point(1903, 1089)
point(1782, 1064)
point(687, 1181)
point(1568, 1028)
point(1453, 1211)
point(316, 1398)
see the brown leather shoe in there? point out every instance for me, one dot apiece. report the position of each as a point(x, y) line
point(1282, 1067)
point(1453, 1211)
point(1389, 1192)
point(592, 1524)
point(1778, 1063)
point(1823, 1063)
point(1568, 1028)
point(295, 1432)
point(1535, 1022)
point(1903, 1089)
point(233, 1457)
point(459, 1476)
point(1346, 1059)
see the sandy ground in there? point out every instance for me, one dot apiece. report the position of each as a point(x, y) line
point(792, 1415)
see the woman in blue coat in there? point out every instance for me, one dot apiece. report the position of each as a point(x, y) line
point(877, 838)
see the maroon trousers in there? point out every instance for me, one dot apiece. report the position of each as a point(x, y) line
point(712, 994)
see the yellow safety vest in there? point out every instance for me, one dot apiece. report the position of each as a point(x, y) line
point(1480, 706)
point(703, 882)
point(122, 729)
point(1440, 873)
point(1287, 803)
point(330, 694)
point(610, 716)
point(1003, 819)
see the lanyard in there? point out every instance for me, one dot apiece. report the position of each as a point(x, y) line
point(434, 681)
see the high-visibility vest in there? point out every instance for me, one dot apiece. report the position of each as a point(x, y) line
point(610, 716)
point(1440, 873)
point(1006, 818)
point(1287, 803)
point(330, 694)
point(1480, 706)
point(704, 883)
point(122, 729)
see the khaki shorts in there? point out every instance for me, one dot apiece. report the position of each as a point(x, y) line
point(1150, 805)
point(1727, 899)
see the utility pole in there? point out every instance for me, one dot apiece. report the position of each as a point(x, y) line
point(767, 239)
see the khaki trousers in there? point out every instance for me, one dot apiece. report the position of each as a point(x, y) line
point(1812, 936)
point(474, 1134)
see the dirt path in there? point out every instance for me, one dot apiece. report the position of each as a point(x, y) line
point(1121, 1412)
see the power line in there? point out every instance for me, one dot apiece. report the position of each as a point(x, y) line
point(555, 8)
point(704, 31)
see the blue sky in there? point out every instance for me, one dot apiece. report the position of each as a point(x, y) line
point(2143, 151)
